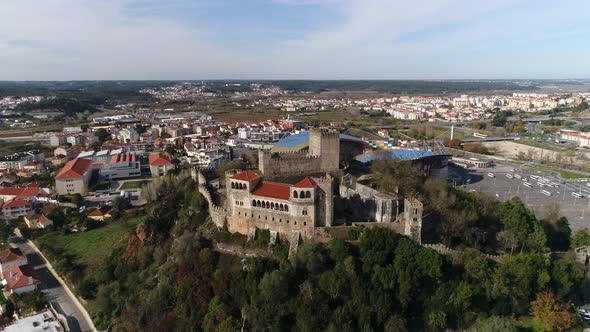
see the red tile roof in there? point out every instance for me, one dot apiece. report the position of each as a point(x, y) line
point(11, 191)
point(16, 203)
point(245, 176)
point(306, 183)
point(100, 212)
point(10, 255)
point(273, 190)
point(38, 217)
point(74, 169)
point(159, 159)
point(29, 192)
point(21, 276)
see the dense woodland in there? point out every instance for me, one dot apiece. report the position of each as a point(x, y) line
point(168, 276)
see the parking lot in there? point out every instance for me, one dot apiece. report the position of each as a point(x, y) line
point(506, 181)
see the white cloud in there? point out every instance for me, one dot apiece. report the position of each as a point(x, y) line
point(116, 39)
point(95, 40)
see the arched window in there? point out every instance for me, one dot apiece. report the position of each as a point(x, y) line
point(267, 205)
point(308, 194)
point(286, 208)
point(253, 202)
point(295, 194)
point(233, 185)
point(281, 207)
point(302, 194)
point(272, 205)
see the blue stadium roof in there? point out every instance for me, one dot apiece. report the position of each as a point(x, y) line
point(396, 155)
point(295, 140)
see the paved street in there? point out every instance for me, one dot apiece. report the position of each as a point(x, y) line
point(54, 291)
point(576, 209)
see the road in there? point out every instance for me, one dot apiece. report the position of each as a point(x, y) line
point(576, 209)
point(55, 291)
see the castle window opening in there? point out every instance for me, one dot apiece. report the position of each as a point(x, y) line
point(302, 194)
point(286, 208)
point(295, 194)
point(304, 223)
point(294, 223)
point(233, 186)
point(308, 194)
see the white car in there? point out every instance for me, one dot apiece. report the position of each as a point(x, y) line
point(526, 184)
point(491, 175)
point(509, 176)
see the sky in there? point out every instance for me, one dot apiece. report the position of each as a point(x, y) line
point(293, 39)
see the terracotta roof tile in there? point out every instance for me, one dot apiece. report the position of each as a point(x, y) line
point(273, 190)
point(159, 159)
point(247, 175)
point(10, 255)
point(308, 182)
point(74, 169)
point(16, 203)
point(21, 276)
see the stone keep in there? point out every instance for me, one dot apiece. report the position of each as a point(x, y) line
point(413, 219)
point(325, 143)
point(323, 156)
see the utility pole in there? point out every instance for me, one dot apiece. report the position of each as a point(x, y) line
point(452, 131)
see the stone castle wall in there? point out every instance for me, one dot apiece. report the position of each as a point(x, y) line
point(218, 214)
point(292, 164)
point(323, 156)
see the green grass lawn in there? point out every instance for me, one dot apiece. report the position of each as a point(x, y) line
point(133, 184)
point(92, 246)
point(567, 175)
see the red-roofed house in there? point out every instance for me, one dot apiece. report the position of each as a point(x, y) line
point(278, 207)
point(159, 164)
point(10, 258)
point(74, 177)
point(16, 208)
point(37, 220)
point(21, 279)
point(101, 213)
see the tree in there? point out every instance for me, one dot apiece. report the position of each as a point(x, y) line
point(396, 177)
point(499, 119)
point(566, 277)
point(558, 233)
point(102, 135)
point(120, 204)
point(537, 239)
point(518, 277)
point(494, 324)
point(546, 310)
point(581, 238)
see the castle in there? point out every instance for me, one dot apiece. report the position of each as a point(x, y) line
point(323, 156)
point(307, 208)
point(255, 203)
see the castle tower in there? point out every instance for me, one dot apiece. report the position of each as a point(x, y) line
point(264, 157)
point(325, 203)
point(325, 143)
point(413, 210)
